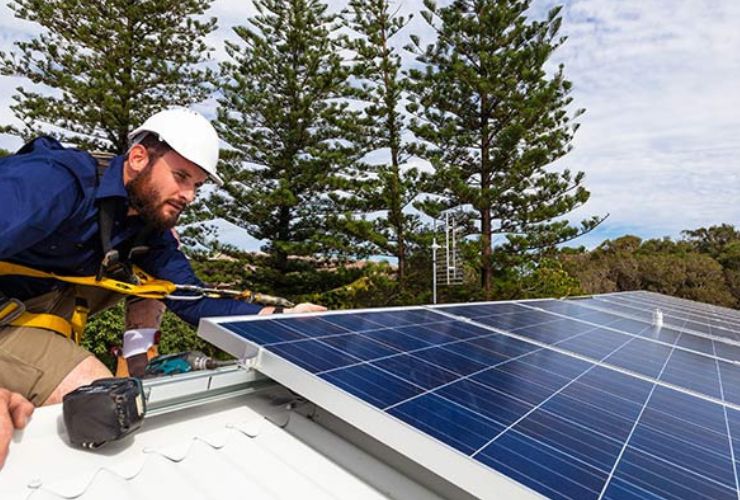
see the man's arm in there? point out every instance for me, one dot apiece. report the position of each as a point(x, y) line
point(143, 318)
point(165, 261)
point(15, 411)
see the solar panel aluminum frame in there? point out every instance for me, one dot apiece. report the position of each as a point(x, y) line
point(437, 457)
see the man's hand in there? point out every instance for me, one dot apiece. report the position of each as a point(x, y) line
point(306, 307)
point(15, 410)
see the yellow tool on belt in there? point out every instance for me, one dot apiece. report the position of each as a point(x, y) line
point(13, 311)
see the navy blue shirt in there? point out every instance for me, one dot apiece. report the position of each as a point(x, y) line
point(49, 221)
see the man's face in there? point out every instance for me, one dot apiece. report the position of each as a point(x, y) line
point(162, 190)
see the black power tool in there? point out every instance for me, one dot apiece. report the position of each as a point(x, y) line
point(106, 410)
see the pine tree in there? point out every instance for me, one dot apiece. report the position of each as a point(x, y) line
point(283, 114)
point(110, 64)
point(390, 188)
point(492, 119)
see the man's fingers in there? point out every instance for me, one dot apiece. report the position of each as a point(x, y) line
point(6, 425)
point(20, 410)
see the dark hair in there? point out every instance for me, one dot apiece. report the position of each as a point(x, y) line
point(156, 147)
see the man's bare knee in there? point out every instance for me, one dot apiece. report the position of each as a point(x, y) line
point(88, 370)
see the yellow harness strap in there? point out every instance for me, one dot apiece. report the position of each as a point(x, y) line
point(46, 321)
point(150, 288)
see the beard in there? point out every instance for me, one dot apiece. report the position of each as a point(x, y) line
point(146, 200)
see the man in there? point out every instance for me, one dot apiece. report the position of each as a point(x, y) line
point(58, 216)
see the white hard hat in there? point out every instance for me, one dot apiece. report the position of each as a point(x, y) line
point(189, 134)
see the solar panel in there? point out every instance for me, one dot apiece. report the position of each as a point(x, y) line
point(505, 399)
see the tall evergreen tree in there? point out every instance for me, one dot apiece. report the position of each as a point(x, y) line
point(283, 115)
point(390, 188)
point(111, 64)
point(492, 119)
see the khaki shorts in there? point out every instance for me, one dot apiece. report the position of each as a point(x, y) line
point(34, 361)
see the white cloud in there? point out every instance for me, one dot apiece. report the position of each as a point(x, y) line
point(660, 141)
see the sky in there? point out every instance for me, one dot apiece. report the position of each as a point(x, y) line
point(660, 81)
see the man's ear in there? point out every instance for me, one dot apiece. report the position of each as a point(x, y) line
point(138, 159)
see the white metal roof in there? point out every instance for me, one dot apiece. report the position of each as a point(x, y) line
point(248, 446)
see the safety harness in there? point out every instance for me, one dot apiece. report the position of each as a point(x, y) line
point(117, 273)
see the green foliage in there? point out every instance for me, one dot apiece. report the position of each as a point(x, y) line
point(700, 268)
point(111, 63)
point(492, 120)
point(388, 188)
point(4, 152)
point(281, 113)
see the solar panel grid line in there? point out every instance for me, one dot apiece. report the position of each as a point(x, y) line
point(539, 406)
point(719, 310)
point(668, 314)
point(655, 340)
point(687, 310)
point(729, 431)
point(632, 431)
point(616, 330)
point(730, 322)
point(410, 352)
point(446, 461)
point(701, 326)
point(610, 366)
point(698, 318)
point(637, 318)
point(471, 375)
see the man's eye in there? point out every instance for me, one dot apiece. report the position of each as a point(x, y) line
point(180, 176)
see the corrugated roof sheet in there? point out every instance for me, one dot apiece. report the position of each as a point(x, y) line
point(222, 450)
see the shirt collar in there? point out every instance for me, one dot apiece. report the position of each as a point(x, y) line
point(111, 184)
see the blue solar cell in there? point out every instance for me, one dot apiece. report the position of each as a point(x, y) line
point(571, 439)
point(730, 381)
point(313, 356)
point(310, 326)
point(503, 345)
point(574, 310)
point(416, 371)
point(678, 450)
point(632, 326)
point(605, 385)
point(556, 364)
point(527, 382)
point(622, 490)
point(511, 322)
point(354, 322)
point(360, 347)
point(597, 343)
point(484, 401)
point(449, 360)
point(478, 310)
point(428, 335)
point(263, 332)
point(447, 422)
point(476, 353)
point(641, 356)
point(546, 470)
point(664, 479)
point(372, 385)
point(397, 339)
point(696, 343)
point(733, 422)
point(555, 331)
point(577, 406)
point(727, 351)
point(692, 371)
